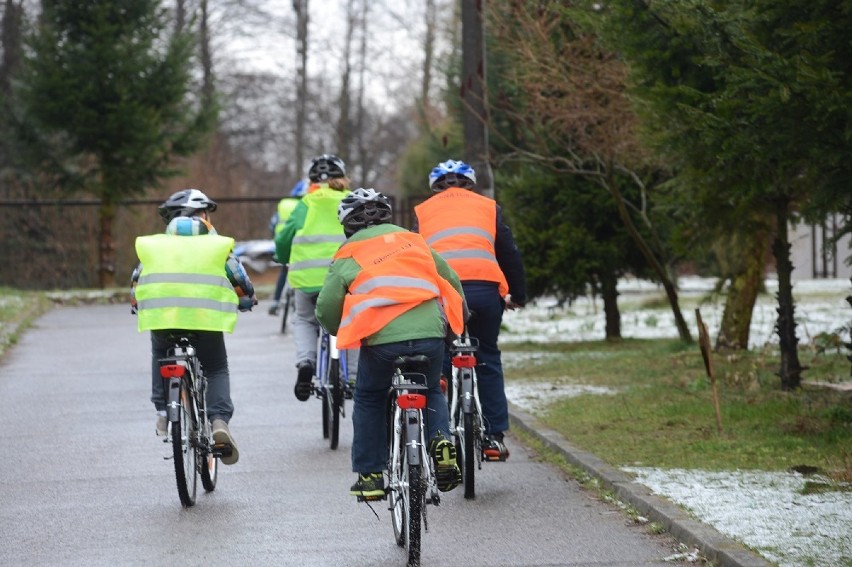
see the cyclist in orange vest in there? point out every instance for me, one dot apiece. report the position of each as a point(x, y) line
point(468, 231)
point(390, 294)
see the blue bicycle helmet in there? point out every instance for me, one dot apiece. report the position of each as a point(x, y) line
point(452, 173)
point(299, 189)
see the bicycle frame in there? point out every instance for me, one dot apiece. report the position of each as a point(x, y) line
point(466, 410)
point(189, 429)
point(331, 386)
point(411, 475)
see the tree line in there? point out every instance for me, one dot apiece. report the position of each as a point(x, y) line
point(625, 137)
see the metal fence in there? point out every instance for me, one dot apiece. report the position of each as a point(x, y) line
point(55, 244)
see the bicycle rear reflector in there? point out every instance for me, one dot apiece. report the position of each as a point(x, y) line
point(464, 361)
point(172, 370)
point(411, 401)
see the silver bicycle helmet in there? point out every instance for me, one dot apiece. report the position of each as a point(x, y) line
point(325, 167)
point(186, 203)
point(362, 208)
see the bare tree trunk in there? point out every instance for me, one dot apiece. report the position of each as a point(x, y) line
point(360, 139)
point(208, 86)
point(746, 253)
point(344, 125)
point(180, 16)
point(10, 41)
point(428, 57)
point(609, 293)
point(301, 9)
point(473, 95)
point(790, 371)
point(106, 256)
point(669, 287)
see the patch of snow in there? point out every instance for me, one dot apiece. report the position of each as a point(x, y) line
point(764, 510)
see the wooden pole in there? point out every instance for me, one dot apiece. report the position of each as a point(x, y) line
point(704, 342)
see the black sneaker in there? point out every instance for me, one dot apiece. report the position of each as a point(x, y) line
point(494, 449)
point(303, 381)
point(273, 310)
point(370, 486)
point(447, 472)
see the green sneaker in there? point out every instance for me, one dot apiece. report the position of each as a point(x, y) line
point(447, 472)
point(370, 486)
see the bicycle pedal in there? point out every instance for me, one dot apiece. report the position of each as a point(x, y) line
point(222, 450)
point(370, 498)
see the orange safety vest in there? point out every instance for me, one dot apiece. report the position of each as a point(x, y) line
point(397, 273)
point(461, 226)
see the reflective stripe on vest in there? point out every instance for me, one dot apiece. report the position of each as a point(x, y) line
point(316, 242)
point(183, 283)
point(461, 226)
point(379, 294)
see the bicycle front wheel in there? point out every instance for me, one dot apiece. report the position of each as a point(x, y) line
point(183, 448)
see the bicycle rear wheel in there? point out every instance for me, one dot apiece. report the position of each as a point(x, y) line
point(183, 450)
point(209, 466)
point(469, 456)
point(336, 401)
point(288, 304)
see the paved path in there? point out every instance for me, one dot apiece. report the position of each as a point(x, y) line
point(84, 482)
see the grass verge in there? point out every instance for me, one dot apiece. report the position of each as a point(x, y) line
point(660, 411)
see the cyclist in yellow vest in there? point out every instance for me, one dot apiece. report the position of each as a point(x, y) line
point(188, 279)
point(307, 243)
point(467, 230)
point(285, 208)
point(388, 292)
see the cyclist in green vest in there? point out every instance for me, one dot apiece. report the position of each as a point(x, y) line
point(307, 244)
point(191, 280)
point(285, 208)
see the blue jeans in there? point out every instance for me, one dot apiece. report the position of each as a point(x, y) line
point(484, 301)
point(375, 371)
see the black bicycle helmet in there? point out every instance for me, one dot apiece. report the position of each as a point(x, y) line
point(325, 167)
point(362, 208)
point(186, 203)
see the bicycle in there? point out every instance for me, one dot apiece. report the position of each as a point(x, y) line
point(190, 432)
point(331, 386)
point(411, 474)
point(288, 304)
point(466, 422)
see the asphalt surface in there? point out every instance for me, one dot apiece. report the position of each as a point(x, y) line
point(84, 481)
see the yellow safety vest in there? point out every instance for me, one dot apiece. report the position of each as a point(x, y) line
point(286, 206)
point(183, 283)
point(316, 242)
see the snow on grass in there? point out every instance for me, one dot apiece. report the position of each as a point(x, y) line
point(768, 511)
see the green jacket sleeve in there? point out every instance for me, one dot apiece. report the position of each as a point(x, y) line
point(284, 239)
point(329, 308)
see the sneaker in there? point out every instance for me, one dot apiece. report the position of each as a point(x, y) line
point(303, 380)
point(370, 486)
point(162, 426)
point(222, 441)
point(273, 310)
point(447, 472)
point(493, 449)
